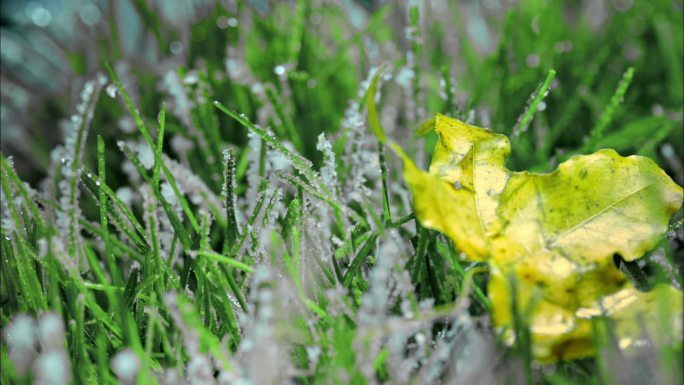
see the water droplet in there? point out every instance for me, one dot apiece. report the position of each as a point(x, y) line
point(176, 47)
point(111, 91)
point(216, 102)
point(668, 151)
point(90, 14)
point(315, 18)
point(89, 175)
point(279, 70)
point(541, 107)
point(191, 78)
point(657, 110)
point(563, 46)
point(222, 22)
point(535, 24)
point(533, 60)
point(38, 14)
point(97, 183)
point(232, 22)
point(458, 185)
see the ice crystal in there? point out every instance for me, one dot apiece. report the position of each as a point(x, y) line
point(181, 105)
point(195, 188)
point(329, 168)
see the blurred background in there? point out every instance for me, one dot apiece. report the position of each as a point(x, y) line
point(480, 60)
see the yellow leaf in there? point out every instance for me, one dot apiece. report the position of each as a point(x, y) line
point(554, 233)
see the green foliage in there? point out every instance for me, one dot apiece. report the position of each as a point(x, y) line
point(198, 220)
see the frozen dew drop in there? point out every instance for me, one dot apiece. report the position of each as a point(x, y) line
point(315, 18)
point(667, 150)
point(126, 365)
point(583, 89)
point(534, 25)
point(404, 77)
point(279, 70)
point(191, 78)
point(532, 60)
point(111, 91)
point(90, 14)
point(420, 338)
point(38, 14)
point(222, 22)
point(176, 47)
point(563, 46)
point(623, 5)
point(257, 88)
point(657, 110)
point(409, 32)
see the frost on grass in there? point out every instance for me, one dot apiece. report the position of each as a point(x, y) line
point(261, 342)
point(76, 133)
point(180, 104)
point(21, 341)
point(39, 345)
point(254, 170)
point(295, 293)
point(329, 168)
point(193, 186)
point(295, 319)
point(359, 155)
